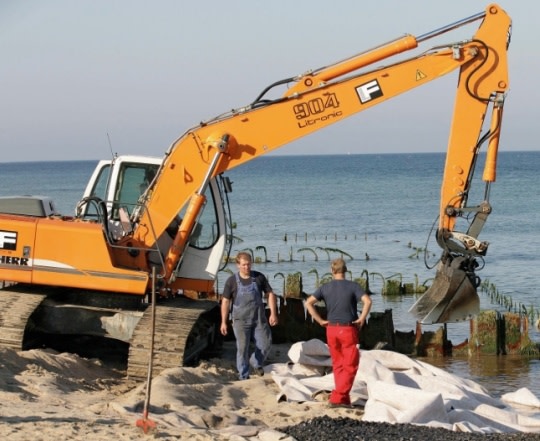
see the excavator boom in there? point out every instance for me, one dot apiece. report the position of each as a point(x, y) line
point(326, 96)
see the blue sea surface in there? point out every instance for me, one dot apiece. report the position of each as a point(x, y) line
point(385, 207)
point(379, 210)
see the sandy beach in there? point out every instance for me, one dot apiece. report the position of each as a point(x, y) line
point(50, 396)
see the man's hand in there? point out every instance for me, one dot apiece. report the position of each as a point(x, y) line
point(273, 320)
point(223, 328)
point(360, 322)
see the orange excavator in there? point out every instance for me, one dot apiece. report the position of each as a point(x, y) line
point(92, 273)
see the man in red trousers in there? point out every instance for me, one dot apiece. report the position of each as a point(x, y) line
point(342, 324)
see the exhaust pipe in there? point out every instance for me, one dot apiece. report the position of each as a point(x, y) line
point(452, 297)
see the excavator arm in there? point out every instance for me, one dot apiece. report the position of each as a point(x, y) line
point(481, 89)
point(327, 96)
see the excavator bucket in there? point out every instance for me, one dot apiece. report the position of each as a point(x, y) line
point(451, 298)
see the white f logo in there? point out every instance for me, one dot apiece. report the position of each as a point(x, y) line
point(8, 240)
point(369, 91)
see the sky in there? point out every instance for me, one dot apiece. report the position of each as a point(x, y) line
point(81, 79)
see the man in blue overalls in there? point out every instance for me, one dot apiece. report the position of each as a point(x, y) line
point(245, 290)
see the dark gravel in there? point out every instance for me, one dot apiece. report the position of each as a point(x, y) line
point(344, 429)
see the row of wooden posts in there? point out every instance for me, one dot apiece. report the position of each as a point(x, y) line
point(491, 332)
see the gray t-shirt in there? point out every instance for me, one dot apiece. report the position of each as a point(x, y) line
point(230, 288)
point(341, 298)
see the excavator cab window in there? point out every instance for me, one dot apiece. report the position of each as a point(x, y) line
point(133, 180)
point(206, 231)
point(99, 191)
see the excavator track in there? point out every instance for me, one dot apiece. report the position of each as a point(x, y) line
point(15, 309)
point(183, 329)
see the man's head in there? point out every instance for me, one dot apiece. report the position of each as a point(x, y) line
point(338, 266)
point(243, 263)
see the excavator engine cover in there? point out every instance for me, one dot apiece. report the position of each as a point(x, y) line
point(452, 297)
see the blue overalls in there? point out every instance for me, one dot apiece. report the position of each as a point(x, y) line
point(249, 323)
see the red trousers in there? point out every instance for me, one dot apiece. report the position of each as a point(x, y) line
point(342, 342)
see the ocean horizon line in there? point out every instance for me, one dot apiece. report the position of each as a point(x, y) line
point(277, 155)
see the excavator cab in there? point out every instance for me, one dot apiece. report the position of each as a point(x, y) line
point(120, 183)
point(116, 191)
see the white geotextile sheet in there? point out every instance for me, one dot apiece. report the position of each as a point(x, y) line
point(395, 388)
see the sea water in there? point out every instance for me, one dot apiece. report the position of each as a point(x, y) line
point(296, 213)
